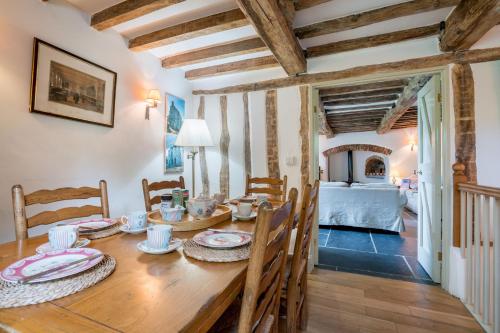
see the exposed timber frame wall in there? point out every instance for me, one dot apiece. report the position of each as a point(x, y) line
point(304, 136)
point(273, 163)
point(203, 158)
point(246, 134)
point(224, 148)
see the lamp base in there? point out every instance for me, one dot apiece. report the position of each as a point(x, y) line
point(192, 155)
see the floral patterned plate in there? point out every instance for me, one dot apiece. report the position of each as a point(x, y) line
point(41, 262)
point(221, 239)
point(94, 225)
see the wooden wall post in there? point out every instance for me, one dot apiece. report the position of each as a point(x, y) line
point(224, 148)
point(203, 157)
point(246, 133)
point(465, 125)
point(304, 135)
point(103, 186)
point(458, 177)
point(273, 162)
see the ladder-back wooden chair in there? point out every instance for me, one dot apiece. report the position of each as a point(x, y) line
point(158, 186)
point(294, 295)
point(20, 201)
point(266, 268)
point(276, 187)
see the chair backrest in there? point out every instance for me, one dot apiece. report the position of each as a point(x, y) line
point(296, 286)
point(20, 201)
point(275, 187)
point(158, 186)
point(266, 269)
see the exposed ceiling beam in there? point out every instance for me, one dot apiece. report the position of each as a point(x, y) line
point(233, 67)
point(363, 100)
point(372, 86)
point(468, 22)
point(219, 51)
point(272, 26)
point(372, 16)
point(364, 107)
point(370, 93)
point(372, 41)
point(196, 28)
point(405, 101)
point(126, 11)
point(381, 112)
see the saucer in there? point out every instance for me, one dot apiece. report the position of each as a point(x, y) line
point(175, 243)
point(46, 247)
point(245, 218)
point(125, 228)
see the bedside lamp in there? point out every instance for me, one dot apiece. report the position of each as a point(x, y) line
point(153, 99)
point(194, 133)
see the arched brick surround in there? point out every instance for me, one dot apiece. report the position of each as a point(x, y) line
point(362, 147)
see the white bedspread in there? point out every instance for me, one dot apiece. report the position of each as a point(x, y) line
point(379, 208)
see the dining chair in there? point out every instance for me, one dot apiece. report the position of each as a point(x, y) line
point(259, 308)
point(20, 201)
point(275, 187)
point(295, 287)
point(158, 186)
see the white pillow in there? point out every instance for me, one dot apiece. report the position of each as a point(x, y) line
point(334, 184)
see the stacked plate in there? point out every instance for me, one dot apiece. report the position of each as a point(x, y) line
point(222, 239)
point(94, 225)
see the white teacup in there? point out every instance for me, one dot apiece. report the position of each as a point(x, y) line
point(244, 209)
point(135, 220)
point(63, 236)
point(159, 236)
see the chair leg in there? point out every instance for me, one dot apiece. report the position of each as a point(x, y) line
point(303, 315)
point(291, 311)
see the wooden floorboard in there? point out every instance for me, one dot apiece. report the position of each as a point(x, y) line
point(344, 303)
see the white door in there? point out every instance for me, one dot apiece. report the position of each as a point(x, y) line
point(429, 179)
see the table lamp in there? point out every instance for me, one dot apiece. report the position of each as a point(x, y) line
point(194, 133)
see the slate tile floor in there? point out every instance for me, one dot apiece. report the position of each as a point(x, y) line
point(373, 252)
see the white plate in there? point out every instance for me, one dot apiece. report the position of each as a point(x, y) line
point(245, 218)
point(94, 224)
point(45, 261)
point(222, 239)
point(125, 228)
point(46, 247)
point(175, 243)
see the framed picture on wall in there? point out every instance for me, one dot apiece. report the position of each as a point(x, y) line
point(175, 112)
point(68, 86)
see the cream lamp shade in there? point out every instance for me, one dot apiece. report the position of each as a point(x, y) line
point(154, 97)
point(194, 133)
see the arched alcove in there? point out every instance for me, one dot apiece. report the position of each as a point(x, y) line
point(375, 167)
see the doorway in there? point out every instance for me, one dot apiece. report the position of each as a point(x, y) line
point(353, 110)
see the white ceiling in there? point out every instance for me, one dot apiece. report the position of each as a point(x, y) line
point(193, 9)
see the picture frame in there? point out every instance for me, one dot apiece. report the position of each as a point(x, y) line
point(175, 112)
point(68, 86)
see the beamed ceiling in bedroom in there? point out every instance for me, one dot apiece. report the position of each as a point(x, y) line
point(221, 37)
point(372, 106)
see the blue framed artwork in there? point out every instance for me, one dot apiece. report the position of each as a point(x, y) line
point(175, 111)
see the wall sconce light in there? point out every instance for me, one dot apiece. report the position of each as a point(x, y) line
point(412, 142)
point(152, 100)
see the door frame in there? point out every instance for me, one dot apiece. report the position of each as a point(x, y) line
point(446, 152)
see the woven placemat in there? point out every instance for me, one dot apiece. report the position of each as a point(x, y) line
point(196, 251)
point(104, 233)
point(14, 294)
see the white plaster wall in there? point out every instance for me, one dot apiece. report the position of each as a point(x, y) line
point(402, 161)
point(40, 151)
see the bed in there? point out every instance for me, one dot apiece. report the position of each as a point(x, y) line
point(377, 207)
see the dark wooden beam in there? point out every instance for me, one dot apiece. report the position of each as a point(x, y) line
point(469, 56)
point(372, 86)
point(215, 52)
point(232, 67)
point(304, 4)
point(363, 100)
point(272, 26)
point(372, 41)
point(405, 101)
point(363, 108)
point(370, 93)
point(196, 28)
point(372, 16)
point(468, 22)
point(126, 11)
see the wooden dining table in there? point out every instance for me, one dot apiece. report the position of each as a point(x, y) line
point(145, 293)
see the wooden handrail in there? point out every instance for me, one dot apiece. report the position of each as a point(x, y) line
point(479, 189)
